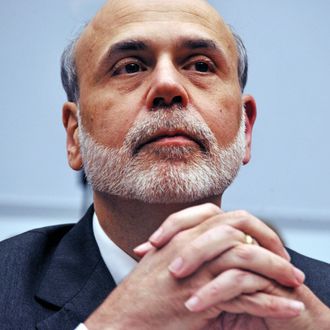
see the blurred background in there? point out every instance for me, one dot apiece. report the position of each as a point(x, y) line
point(287, 181)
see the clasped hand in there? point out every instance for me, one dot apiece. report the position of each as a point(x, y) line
point(198, 272)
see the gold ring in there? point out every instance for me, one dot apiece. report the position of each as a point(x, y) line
point(248, 239)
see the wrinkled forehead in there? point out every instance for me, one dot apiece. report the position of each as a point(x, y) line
point(126, 18)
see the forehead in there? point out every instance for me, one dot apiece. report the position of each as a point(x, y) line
point(157, 20)
point(117, 13)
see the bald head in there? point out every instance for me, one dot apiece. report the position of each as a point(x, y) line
point(119, 12)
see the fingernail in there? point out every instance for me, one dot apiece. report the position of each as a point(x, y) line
point(192, 303)
point(176, 265)
point(300, 276)
point(155, 237)
point(142, 248)
point(297, 306)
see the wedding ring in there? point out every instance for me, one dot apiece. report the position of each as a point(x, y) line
point(248, 239)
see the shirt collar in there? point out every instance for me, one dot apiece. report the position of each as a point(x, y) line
point(118, 262)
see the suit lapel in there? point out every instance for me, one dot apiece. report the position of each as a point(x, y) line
point(76, 280)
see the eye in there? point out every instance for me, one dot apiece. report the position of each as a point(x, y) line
point(132, 68)
point(127, 67)
point(200, 65)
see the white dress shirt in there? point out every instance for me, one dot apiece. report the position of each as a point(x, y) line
point(119, 263)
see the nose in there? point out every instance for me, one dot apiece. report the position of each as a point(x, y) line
point(166, 87)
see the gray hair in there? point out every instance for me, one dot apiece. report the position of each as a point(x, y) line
point(243, 63)
point(70, 78)
point(69, 71)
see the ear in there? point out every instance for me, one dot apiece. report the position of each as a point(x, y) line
point(250, 109)
point(70, 122)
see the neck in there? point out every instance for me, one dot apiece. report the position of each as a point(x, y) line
point(130, 222)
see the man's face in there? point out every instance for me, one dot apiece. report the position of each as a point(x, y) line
point(140, 61)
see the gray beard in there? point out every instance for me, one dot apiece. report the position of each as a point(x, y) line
point(176, 174)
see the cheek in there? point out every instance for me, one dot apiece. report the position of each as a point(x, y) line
point(107, 118)
point(222, 115)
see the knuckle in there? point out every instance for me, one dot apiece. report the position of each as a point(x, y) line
point(238, 222)
point(271, 304)
point(173, 221)
point(228, 230)
point(211, 208)
point(214, 289)
point(209, 235)
point(244, 253)
point(239, 275)
point(242, 219)
point(195, 248)
point(242, 214)
point(270, 288)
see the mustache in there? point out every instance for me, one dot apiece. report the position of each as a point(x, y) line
point(166, 121)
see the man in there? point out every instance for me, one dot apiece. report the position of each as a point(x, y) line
point(156, 117)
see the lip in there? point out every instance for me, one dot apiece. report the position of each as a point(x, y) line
point(170, 138)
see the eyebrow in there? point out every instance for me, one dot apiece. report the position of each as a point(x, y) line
point(139, 45)
point(200, 44)
point(126, 46)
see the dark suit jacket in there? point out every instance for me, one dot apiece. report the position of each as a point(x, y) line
point(54, 277)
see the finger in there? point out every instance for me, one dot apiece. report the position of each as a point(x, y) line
point(205, 247)
point(258, 260)
point(182, 220)
point(143, 249)
point(264, 305)
point(238, 291)
point(207, 215)
point(251, 225)
point(226, 287)
point(223, 245)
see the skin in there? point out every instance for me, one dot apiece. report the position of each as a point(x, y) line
point(112, 98)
